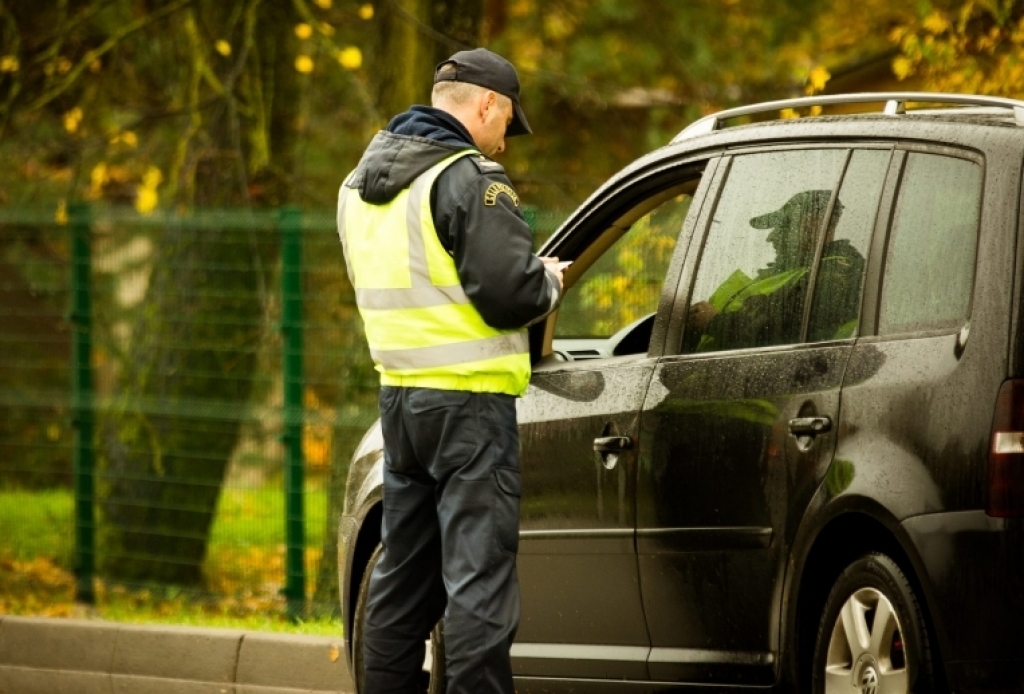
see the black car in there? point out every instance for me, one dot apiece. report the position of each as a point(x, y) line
point(775, 433)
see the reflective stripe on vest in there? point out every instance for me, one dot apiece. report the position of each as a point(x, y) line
point(445, 355)
point(421, 326)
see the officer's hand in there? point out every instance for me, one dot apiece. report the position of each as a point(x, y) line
point(552, 265)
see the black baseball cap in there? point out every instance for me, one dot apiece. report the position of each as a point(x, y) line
point(486, 69)
point(809, 202)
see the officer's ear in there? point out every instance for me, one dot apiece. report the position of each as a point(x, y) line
point(488, 101)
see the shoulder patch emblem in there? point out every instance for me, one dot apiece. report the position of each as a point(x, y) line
point(495, 189)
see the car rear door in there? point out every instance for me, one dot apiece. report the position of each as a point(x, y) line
point(738, 424)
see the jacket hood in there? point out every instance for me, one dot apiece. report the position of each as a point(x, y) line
point(413, 142)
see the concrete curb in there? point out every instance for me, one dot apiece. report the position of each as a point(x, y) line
point(48, 656)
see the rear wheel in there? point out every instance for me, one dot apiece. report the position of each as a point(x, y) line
point(872, 637)
point(433, 680)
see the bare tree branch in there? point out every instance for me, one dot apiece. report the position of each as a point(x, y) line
point(65, 30)
point(130, 28)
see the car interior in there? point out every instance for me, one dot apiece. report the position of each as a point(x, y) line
point(628, 337)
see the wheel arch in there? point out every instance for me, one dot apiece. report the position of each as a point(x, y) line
point(367, 540)
point(854, 528)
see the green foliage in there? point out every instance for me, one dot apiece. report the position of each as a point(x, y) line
point(969, 47)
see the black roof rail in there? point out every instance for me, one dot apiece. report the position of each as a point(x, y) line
point(895, 104)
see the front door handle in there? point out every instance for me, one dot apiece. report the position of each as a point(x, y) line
point(612, 444)
point(810, 426)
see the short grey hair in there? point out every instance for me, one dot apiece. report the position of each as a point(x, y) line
point(458, 93)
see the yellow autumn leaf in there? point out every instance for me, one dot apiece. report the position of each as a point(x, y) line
point(152, 178)
point(333, 653)
point(63, 65)
point(350, 57)
point(97, 179)
point(818, 78)
point(9, 63)
point(316, 452)
point(146, 197)
point(126, 138)
point(145, 200)
point(223, 47)
point(936, 23)
point(61, 217)
point(303, 30)
point(902, 67)
point(72, 119)
point(366, 11)
point(304, 64)
point(788, 114)
point(323, 4)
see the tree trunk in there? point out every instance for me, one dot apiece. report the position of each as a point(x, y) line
point(196, 349)
point(412, 37)
point(192, 366)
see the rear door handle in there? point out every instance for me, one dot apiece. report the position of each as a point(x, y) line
point(810, 426)
point(612, 444)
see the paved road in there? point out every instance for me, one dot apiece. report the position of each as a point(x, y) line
point(52, 656)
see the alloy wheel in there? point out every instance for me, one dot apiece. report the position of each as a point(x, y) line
point(865, 651)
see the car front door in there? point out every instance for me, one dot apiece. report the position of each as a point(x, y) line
point(582, 615)
point(738, 424)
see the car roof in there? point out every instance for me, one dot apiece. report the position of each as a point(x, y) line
point(982, 109)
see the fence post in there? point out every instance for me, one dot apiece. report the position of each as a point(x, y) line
point(291, 328)
point(79, 216)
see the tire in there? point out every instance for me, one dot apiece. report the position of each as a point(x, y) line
point(855, 652)
point(433, 680)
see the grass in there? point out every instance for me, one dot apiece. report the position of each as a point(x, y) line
point(244, 569)
point(37, 524)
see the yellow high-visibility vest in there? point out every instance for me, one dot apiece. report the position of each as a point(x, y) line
point(422, 329)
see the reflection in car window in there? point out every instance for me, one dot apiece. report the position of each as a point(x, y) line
point(625, 283)
point(752, 281)
point(836, 306)
point(930, 263)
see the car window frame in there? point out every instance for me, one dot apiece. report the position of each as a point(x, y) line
point(691, 264)
point(594, 219)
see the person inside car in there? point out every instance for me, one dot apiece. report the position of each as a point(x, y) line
point(767, 309)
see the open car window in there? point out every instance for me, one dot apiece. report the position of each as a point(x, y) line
point(615, 285)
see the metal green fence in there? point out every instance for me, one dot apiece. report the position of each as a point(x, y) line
point(179, 397)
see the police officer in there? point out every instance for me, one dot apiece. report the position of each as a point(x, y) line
point(440, 258)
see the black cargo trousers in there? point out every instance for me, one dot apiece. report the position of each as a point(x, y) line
point(450, 533)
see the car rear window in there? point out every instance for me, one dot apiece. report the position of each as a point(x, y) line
point(929, 267)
